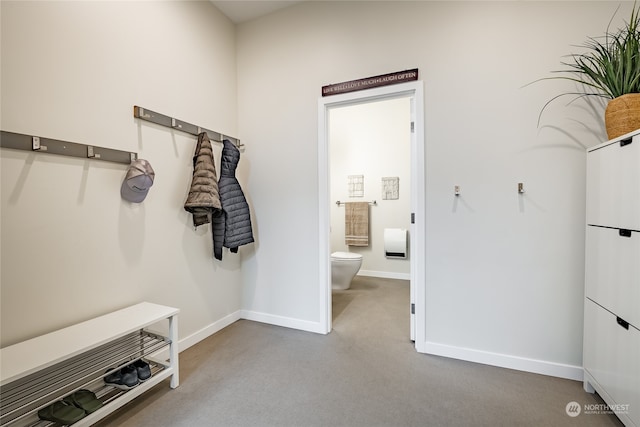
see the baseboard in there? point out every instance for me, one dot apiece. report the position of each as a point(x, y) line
point(470, 355)
point(207, 331)
point(218, 325)
point(287, 322)
point(384, 274)
point(559, 370)
point(198, 336)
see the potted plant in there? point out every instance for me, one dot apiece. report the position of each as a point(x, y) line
point(609, 68)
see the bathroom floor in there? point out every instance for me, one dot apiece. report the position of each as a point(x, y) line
point(373, 303)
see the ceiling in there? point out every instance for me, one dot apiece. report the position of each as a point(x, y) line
point(240, 11)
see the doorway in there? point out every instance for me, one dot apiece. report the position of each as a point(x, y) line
point(414, 93)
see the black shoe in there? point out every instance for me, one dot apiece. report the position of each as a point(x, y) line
point(142, 368)
point(124, 379)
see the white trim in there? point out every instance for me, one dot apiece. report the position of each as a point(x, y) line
point(209, 330)
point(287, 322)
point(418, 246)
point(200, 335)
point(535, 366)
point(219, 325)
point(384, 274)
point(324, 219)
point(413, 90)
point(467, 354)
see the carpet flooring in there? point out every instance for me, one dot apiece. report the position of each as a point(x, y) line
point(366, 372)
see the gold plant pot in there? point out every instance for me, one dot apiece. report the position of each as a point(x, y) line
point(622, 115)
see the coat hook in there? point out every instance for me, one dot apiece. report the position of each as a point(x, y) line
point(456, 190)
point(141, 113)
point(91, 153)
point(35, 144)
point(520, 188)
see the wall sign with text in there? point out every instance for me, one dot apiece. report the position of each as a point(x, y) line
point(370, 82)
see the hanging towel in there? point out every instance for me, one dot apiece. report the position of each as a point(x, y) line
point(233, 227)
point(356, 223)
point(203, 200)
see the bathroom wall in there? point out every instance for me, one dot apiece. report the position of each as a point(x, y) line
point(504, 271)
point(372, 140)
point(71, 248)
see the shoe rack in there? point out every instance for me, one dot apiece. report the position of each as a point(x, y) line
point(45, 369)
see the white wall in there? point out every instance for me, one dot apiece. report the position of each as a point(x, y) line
point(504, 271)
point(373, 140)
point(71, 248)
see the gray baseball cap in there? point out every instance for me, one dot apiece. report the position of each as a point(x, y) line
point(139, 179)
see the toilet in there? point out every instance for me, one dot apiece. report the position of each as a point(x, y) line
point(344, 267)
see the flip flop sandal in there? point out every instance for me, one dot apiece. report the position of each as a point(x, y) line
point(61, 412)
point(85, 400)
point(143, 369)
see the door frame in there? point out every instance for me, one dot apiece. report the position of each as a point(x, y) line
point(417, 237)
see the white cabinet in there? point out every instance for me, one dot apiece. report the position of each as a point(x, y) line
point(43, 370)
point(613, 183)
point(611, 356)
point(612, 361)
point(613, 271)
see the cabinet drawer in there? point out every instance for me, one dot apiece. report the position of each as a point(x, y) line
point(613, 184)
point(612, 271)
point(612, 357)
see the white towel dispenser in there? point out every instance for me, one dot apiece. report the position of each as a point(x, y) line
point(395, 243)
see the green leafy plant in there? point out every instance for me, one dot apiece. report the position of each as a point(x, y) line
point(609, 66)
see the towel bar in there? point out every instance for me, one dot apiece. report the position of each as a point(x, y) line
point(339, 203)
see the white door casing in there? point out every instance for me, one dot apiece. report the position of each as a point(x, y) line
point(417, 241)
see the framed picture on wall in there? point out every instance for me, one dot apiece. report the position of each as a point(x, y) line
point(390, 188)
point(355, 185)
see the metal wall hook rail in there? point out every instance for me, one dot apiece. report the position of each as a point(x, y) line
point(171, 122)
point(339, 203)
point(19, 141)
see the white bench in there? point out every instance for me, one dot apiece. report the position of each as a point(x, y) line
point(37, 372)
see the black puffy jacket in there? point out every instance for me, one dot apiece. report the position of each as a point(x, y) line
point(235, 222)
